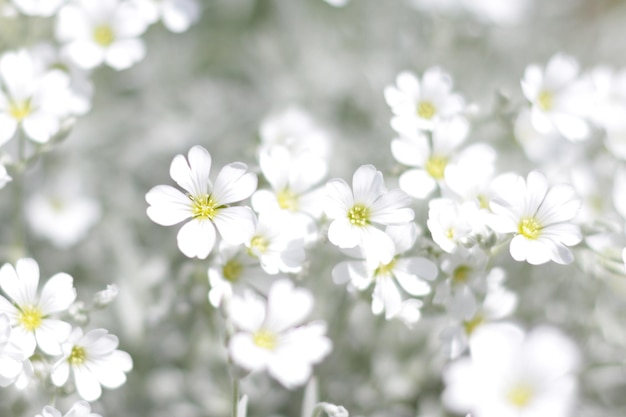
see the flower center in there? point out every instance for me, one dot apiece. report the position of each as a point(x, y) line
point(473, 323)
point(30, 318)
point(385, 269)
point(545, 100)
point(204, 207)
point(435, 166)
point(461, 274)
point(258, 245)
point(264, 339)
point(77, 356)
point(103, 35)
point(287, 200)
point(232, 270)
point(359, 215)
point(19, 110)
point(529, 227)
point(520, 395)
point(426, 110)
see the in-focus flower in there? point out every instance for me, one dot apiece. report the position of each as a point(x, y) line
point(79, 409)
point(270, 335)
point(354, 213)
point(94, 32)
point(512, 374)
point(31, 315)
point(539, 217)
point(422, 104)
point(94, 361)
point(208, 205)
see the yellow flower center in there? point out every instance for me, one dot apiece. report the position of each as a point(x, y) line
point(436, 166)
point(520, 395)
point(385, 269)
point(232, 270)
point(30, 318)
point(426, 110)
point(359, 215)
point(473, 324)
point(103, 35)
point(287, 200)
point(258, 244)
point(19, 110)
point(77, 356)
point(265, 339)
point(461, 274)
point(545, 100)
point(204, 207)
point(529, 227)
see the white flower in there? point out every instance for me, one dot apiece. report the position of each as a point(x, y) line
point(559, 101)
point(11, 356)
point(176, 15)
point(428, 162)
point(292, 178)
point(411, 273)
point(354, 213)
point(30, 314)
point(44, 8)
point(34, 100)
point(421, 105)
point(207, 205)
point(101, 31)
point(510, 374)
point(79, 409)
point(270, 337)
point(94, 361)
point(539, 218)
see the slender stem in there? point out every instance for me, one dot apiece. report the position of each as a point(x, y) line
point(235, 395)
point(20, 236)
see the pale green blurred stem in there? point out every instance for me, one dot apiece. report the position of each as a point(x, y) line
point(235, 395)
point(20, 233)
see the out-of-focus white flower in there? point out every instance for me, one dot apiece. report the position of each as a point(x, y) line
point(95, 362)
point(101, 31)
point(12, 357)
point(428, 162)
point(62, 219)
point(609, 104)
point(560, 102)
point(354, 213)
point(422, 104)
point(292, 178)
point(207, 205)
point(334, 410)
point(4, 176)
point(44, 8)
point(270, 336)
point(539, 217)
point(79, 409)
point(176, 15)
point(496, 11)
point(451, 224)
point(275, 245)
point(538, 146)
point(411, 273)
point(33, 100)
point(510, 374)
point(31, 315)
point(105, 297)
point(295, 130)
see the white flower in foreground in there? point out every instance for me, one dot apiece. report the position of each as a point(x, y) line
point(411, 273)
point(44, 8)
point(559, 100)
point(539, 217)
point(34, 100)
point(510, 374)
point(270, 335)
point(101, 31)
point(11, 356)
point(79, 409)
point(422, 104)
point(31, 314)
point(94, 361)
point(207, 205)
point(354, 213)
point(176, 15)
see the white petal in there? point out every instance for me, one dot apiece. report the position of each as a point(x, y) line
point(343, 234)
point(57, 294)
point(20, 283)
point(386, 293)
point(8, 127)
point(411, 152)
point(287, 306)
point(235, 224)
point(168, 206)
point(367, 184)
point(246, 354)
point(196, 238)
point(40, 127)
point(180, 14)
point(417, 183)
point(291, 372)
point(572, 127)
point(339, 198)
point(248, 312)
point(234, 183)
point(60, 372)
point(390, 208)
point(192, 176)
point(87, 385)
point(85, 54)
point(124, 53)
point(50, 334)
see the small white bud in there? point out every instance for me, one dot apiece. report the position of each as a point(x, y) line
point(105, 297)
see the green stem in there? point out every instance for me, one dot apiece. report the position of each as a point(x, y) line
point(20, 235)
point(235, 396)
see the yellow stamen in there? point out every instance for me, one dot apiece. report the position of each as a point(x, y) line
point(436, 166)
point(103, 35)
point(520, 395)
point(473, 324)
point(385, 269)
point(426, 110)
point(529, 227)
point(545, 100)
point(204, 207)
point(461, 274)
point(359, 215)
point(258, 245)
point(265, 339)
point(232, 270)
point(30, 318)
point(287, 199)
point(19, 110)
point(78, 356)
